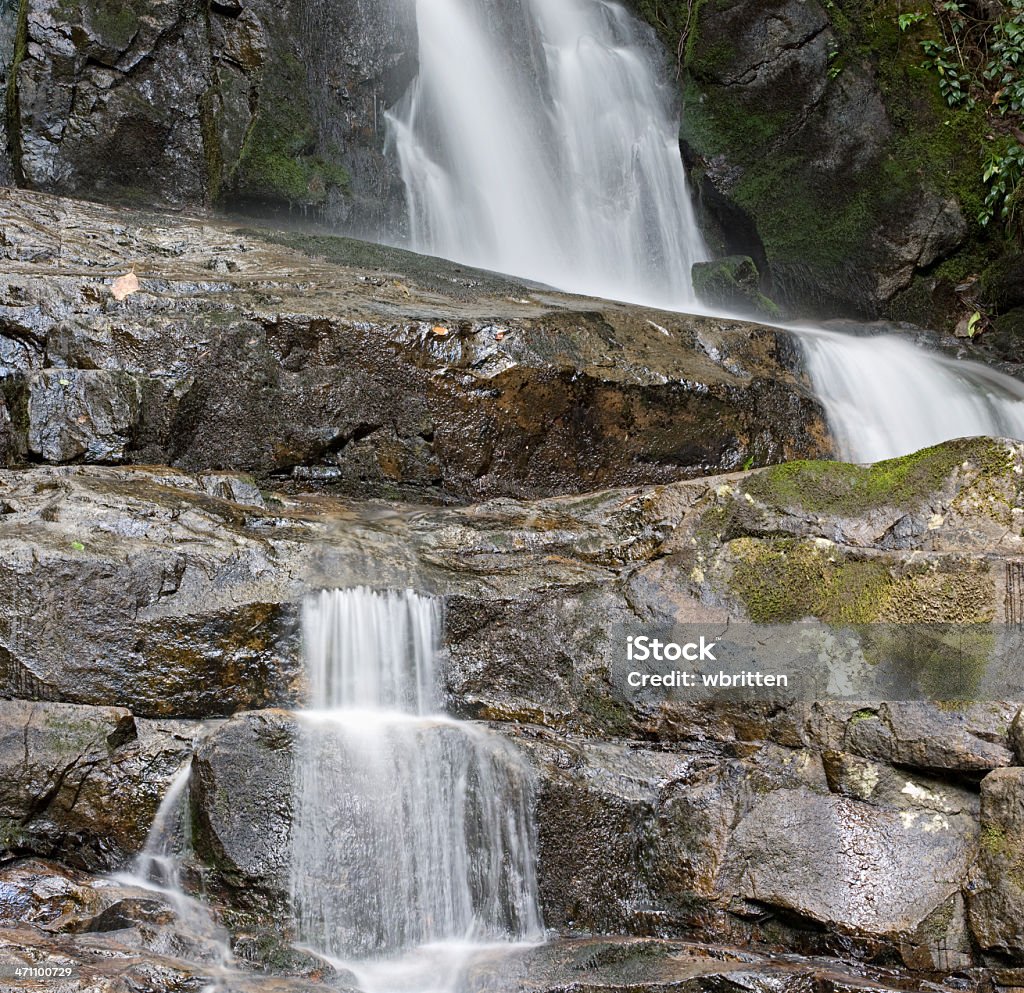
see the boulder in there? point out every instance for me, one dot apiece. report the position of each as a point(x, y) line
point(855, 868)
point(83, 783)
point(242, 812)
point(107, 100)
point(996, 895)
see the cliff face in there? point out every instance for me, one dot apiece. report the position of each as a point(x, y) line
point(184, 103)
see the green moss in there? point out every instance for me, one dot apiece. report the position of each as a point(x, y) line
point(782, 580)
point(907, 482)
point(859, 716)
point(785, 580)
point(279, 158)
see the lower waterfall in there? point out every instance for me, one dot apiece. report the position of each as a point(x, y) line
point(413, 837)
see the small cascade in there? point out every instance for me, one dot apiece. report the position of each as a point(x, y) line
point(885, 396)
point(158, 868)
point(412, 840)
point(536, 140)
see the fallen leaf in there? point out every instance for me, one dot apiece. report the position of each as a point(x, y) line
point(440, 330)
point(498, 335)
point(64, 382)
point(125, 285)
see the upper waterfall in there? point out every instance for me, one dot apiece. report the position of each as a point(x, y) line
point(536, 140)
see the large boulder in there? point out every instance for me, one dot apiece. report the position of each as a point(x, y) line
point(180, 102)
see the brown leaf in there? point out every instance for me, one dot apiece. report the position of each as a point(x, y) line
point(440, 330)
point(125, 285)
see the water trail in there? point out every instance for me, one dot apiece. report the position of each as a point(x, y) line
point(885, 396)
point(536, 140)
point(158, 868)
point(412, 840)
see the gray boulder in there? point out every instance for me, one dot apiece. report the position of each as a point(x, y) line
point(996, 896)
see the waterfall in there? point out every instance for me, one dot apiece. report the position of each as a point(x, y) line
point(536, 141)
point(885, 396)
point(158, 868)
point(411, 830)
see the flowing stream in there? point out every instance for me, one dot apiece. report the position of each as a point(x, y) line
point(537, 141)
point(412, 842)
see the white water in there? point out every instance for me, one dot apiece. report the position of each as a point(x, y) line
point(412, 841)
point(885, 396)
point(536, 141)
point(158, 868)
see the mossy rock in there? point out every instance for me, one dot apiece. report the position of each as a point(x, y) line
point(733, 283)
point(783, 580)
point(841, 489)
point(280, 161)
point(832, 141)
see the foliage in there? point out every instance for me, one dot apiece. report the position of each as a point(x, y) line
point(979, 59)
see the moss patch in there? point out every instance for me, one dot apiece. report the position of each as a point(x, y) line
point(783, 580)
point(844, 489)
point(279, 158)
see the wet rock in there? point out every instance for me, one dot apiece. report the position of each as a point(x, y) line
point(996, 896)
point(925, 737)
point(308, 371)
point(242, 809)
point(107, 100)
point(783, 97)
point(76, 414)
point(733, 284)
point(1017, 737)
point(44, 894)
point(168, 601)
point(849, 865)
point(83, 783)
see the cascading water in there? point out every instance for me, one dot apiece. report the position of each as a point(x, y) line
point(885, 396)
point(412, 841)
point(158, 868)
point(536, 141)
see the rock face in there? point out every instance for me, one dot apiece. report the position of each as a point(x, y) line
point(186, 103)
point(431, 382)
point(83, 783)
point(818, 145)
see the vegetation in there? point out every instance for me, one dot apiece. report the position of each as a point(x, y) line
point(978, 58)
